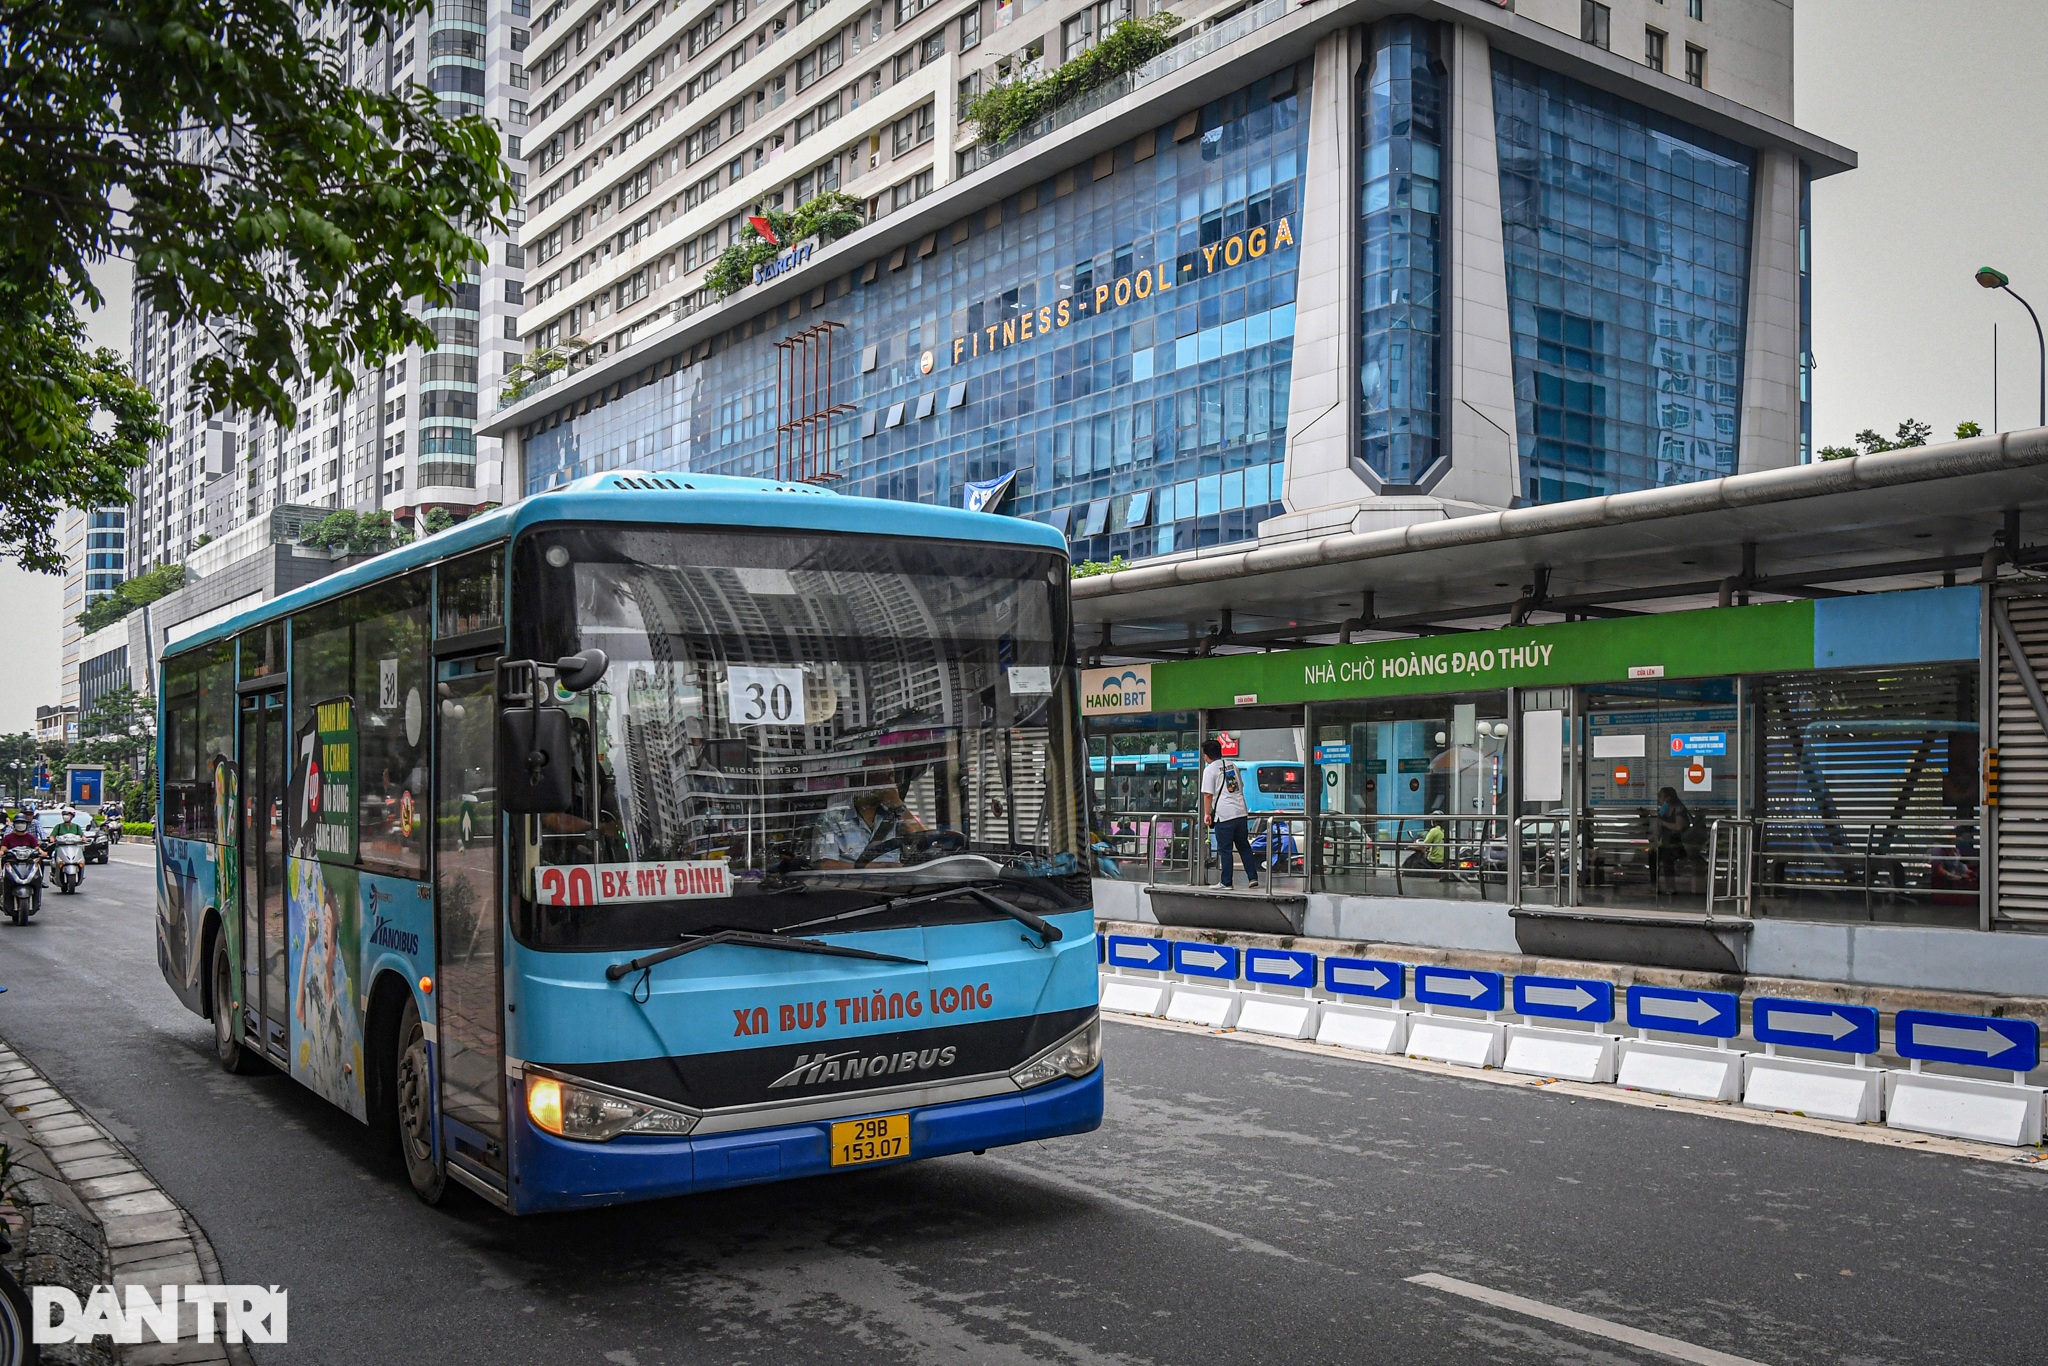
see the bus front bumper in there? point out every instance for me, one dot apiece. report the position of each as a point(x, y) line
point(551, 1173)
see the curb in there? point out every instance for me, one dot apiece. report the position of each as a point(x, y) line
point(148, 1238)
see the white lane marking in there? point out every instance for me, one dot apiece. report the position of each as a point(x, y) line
point(1584, 1323)
point(1240, 1240)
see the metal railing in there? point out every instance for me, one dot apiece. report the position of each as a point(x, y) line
point(1731, 844)
point(1544, 845)
point(1903, 870)
point(1174, 847)
point(1397, 854)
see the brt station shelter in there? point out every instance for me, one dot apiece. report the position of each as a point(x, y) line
point(1633, 728)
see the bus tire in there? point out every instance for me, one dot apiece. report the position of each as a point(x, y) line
point(17, 1347)
point(228, 1049)
point(412, 1077)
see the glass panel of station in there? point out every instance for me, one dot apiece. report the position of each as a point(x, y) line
point(1143, 774)
point(1265, 743)
point(1413, 796)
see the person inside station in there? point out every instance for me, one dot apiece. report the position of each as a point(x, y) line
point(1430, 848)
point(1669, 825)
point(1226, 813)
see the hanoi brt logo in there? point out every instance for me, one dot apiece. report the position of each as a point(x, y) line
point(1118, 688)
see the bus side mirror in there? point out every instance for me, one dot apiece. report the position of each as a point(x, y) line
point(536, 764)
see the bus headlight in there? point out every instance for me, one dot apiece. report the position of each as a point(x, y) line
point(571, 1111)
point(1074, 1056)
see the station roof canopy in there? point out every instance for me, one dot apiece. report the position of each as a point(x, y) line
point(1897, 519)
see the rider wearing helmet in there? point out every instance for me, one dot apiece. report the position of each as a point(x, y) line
point(21, 833)
point(67, 824)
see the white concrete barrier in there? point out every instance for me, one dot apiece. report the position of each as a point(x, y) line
point(1285, 1017)
point(1451, 1038)
point(1964, 1107)
point(1204, 1006)
point(1568, 1054)
point(1136, 995)
point(1680, 1069)
point(1802, 1086)
point(1369, 1029)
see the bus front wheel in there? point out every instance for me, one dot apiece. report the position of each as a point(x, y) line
point(413, 1084)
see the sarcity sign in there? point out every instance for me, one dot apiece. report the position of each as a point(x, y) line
point(786, 261)
point(248, 1313)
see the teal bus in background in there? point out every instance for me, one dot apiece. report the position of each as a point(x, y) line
point(654, 835)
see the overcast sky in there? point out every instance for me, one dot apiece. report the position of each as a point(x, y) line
point(1940, 100)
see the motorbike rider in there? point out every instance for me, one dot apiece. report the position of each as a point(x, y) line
point(67, 824)
point(20, 834)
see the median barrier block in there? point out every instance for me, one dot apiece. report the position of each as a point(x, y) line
point(1204, 1006)
point(1802, 1086)
point(1369, 1029)
point(1964, 1107)
point(1568, 1054)
point(1284, 1017)
point(1679, 1069)
point(1446, 1038)
point(1135, 995)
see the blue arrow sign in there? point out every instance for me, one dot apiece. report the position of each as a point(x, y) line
point(1101, 949)
point(1977, 1040)
point(1564, 998)
point(1129, 951)
point(1714, 1014)
point(1282, 967)
point(1813, 1024)
point(1460, 987)
point(1204, 960)
point(1381, 977)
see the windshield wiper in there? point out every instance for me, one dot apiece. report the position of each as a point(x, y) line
point(1037, 924)
point(756, 940)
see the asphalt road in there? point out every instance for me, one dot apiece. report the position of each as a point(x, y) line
point(1240, 1204)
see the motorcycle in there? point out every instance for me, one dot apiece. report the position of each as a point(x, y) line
point(23, 875)
point(67, 862)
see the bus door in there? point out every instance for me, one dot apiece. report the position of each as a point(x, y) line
point(264, 986)
point(468, 916)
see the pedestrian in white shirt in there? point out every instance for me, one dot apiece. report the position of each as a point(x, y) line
point(1224, 811)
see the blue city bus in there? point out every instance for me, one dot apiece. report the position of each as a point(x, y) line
point(657, 834)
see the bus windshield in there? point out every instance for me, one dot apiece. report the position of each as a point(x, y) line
point(793, 726)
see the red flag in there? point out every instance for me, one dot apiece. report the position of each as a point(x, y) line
point(765, 228)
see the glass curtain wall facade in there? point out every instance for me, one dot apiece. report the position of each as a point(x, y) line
point(1401, 266)
point(1627, 238)
point(1119, 338)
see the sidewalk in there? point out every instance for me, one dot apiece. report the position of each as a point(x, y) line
point(95, 1217)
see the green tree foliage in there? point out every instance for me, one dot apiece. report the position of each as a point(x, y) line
point(72, 421)
point(531, 370)
point(116, 731)
point(261, 193)
point(142, 589)
point(1966, 430)
point(1002, 111)
point(435, 521)
point(18, 749)
point(827, 217)
point(353, 533)
point(1912, 432)
point(1088, 569)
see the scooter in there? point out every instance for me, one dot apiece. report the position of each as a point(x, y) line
point(67, 862)
point(23, 875)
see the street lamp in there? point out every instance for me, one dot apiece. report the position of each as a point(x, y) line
point(1996, 279)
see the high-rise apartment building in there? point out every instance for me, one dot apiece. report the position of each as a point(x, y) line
point(95, 549)
point(403, 440)
point(1317, 265)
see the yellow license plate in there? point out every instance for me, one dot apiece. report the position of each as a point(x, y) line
point(855, 1141)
